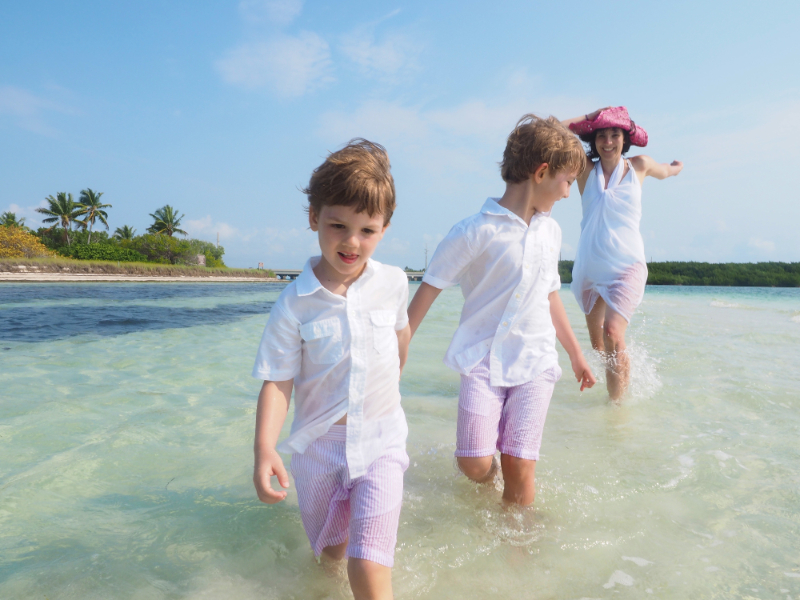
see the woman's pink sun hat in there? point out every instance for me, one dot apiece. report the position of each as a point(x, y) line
point(613, 117)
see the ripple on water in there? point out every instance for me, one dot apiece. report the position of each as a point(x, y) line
point(128, 460)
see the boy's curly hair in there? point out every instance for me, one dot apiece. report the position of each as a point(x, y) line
point(359, 176)
point(535, 141)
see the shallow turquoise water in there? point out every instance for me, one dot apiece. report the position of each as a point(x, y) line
point(126, 417)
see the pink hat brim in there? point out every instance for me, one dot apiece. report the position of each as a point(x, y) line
point(613, 117)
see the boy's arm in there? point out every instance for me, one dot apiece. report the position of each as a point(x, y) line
point(568, 340)
point(273, 404)
point(420, 304)
point(403, 339)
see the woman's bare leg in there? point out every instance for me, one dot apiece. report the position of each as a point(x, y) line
point(594, 321)
point(607, 334)
point(618, 369)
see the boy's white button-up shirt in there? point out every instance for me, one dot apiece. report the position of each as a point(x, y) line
point(343, 355)
point(506, 269)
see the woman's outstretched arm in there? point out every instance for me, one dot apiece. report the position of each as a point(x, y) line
point(646, 166)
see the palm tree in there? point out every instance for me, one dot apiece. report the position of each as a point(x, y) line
point(9, 219)
point(61, 210)
point(93, 209)
point(124, 233)
point(166, 220)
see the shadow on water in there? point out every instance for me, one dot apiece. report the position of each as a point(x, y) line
point(42, 324)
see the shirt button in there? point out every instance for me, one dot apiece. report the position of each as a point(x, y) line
point(517, 296)
point(505, 323)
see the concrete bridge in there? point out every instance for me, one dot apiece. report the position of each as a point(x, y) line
point(293, 273)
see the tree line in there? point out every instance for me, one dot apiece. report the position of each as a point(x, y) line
point(72, 233)
point(763, 274)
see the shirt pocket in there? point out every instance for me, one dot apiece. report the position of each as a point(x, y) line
point(323, 341)
point(548, 270)
point(384, 336)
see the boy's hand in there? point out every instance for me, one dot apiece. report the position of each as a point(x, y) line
point(266, 466)
point(583, 374)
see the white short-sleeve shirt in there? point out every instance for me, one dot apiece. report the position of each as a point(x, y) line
point(506, 269)
point(343, 355)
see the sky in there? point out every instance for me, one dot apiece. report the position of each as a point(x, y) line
point(223, 109)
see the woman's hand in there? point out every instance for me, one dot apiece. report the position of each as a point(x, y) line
point(675, 167)
point(593, 115)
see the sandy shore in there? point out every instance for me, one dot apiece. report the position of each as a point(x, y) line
point(89, 277)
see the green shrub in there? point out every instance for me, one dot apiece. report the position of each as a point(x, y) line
point(102, 252)
point(163, 249)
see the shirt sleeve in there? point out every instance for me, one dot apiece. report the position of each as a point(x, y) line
point(280, 353)
point(555, 277)
point(402, 306)
point(451, 259)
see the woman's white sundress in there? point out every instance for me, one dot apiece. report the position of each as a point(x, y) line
point(610, 261)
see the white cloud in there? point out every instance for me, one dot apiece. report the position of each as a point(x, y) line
point(279, 12)
point(32, 218)
point(389, 59)
point(28, 110)
point(761, 245)
point(207, 226)
point(290, 65)
point(392, 247)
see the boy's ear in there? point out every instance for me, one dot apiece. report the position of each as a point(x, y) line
point(313, 219)
point(540, 172)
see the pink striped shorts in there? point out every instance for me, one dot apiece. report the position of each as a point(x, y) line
point(364, 511)
point(508, 419)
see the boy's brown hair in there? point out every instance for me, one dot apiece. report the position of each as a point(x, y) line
point(359, 176)
point(535, 141)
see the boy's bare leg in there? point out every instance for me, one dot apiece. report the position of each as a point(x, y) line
point(479, 469)
point(331, 559)
point(369, 580)
point(332, 553)
point(519, 480)
point(619, 363)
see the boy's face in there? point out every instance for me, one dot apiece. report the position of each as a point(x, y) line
point(347, 239)
point(551, 187)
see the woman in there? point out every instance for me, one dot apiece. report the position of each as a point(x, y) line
point(610, 270)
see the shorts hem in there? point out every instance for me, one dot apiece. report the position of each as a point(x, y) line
point(475, 453)
point(517, 453)
point(377, 556)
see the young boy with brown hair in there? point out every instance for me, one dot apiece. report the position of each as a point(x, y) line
point(506, 260)
point(339, 335)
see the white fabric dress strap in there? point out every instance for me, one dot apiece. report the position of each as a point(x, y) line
point(616, 176)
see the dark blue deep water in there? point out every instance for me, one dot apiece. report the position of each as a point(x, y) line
point(43, 312)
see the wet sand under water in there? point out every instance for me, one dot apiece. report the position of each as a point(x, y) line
point(126, 457)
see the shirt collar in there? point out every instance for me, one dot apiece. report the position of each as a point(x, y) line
point(307, 282)
point(491, 207)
